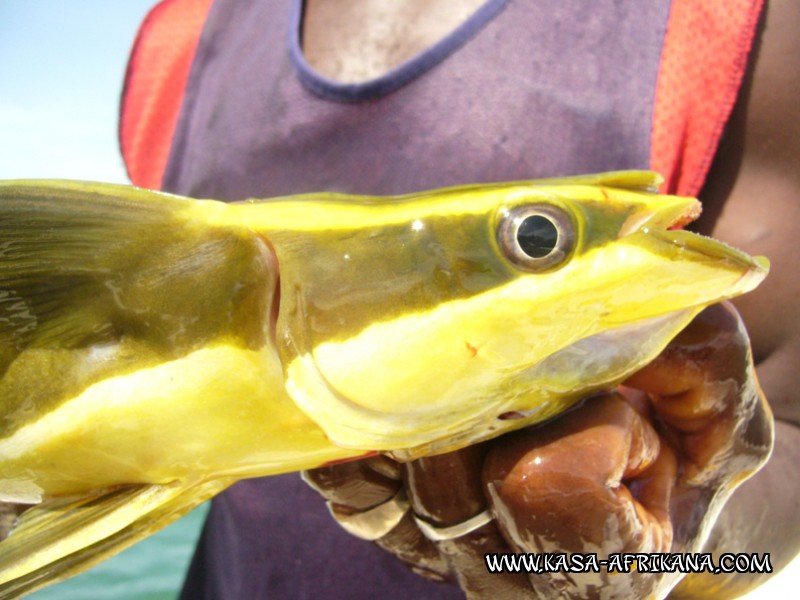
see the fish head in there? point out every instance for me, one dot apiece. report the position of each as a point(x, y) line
point(424, 323)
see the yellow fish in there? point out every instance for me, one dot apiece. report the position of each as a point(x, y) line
point(154, 349)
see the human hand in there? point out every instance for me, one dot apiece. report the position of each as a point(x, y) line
point(647, 470)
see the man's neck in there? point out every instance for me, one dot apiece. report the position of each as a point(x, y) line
point(353, 41)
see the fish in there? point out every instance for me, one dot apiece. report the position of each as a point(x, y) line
point(155, 349)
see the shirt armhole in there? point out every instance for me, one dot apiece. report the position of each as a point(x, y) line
point(155, 85)
point(703, 62)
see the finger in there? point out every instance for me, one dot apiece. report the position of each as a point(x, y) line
point(407, 542)
point(446, 491)
point(697, 377)
point(359, 484)
point(595, 480)
point(355, 488)
point(704, 386)
point(602, 459)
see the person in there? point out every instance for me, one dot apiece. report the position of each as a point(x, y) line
point(387, 98)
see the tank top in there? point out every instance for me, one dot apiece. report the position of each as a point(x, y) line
point(220, 103)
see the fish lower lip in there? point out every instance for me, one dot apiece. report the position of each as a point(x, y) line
point(710, 247)
point(605, 359)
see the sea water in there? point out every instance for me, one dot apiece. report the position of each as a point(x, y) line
point(153, 569)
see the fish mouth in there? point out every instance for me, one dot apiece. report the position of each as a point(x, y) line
point(678, 246)
point(662, 219)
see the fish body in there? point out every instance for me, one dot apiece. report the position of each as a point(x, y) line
point(155, 349)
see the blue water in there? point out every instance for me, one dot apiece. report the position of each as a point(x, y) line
point(153, 569)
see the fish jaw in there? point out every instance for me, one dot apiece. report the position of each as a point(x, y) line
point(591, 366)
point(635, 329)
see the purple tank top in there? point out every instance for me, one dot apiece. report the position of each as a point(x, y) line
point(522, 90)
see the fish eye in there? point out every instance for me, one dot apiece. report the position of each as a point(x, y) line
point(536, 237)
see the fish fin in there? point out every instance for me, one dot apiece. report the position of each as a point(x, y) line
point(61, 243)
point(66, 536)
point(82, 263)
point(9, 512)
point(98, 280)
